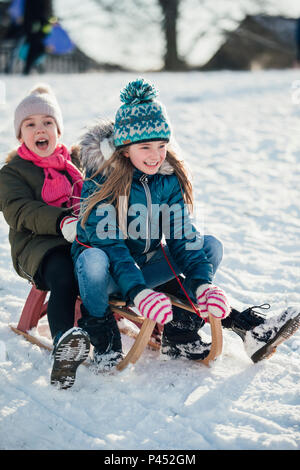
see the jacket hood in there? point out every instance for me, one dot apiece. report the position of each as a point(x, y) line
point(12, 154)
point(97, 146)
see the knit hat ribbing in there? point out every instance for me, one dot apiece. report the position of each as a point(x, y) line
point(40, 100)
point(141, 118)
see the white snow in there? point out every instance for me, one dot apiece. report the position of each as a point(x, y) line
point(240, 136)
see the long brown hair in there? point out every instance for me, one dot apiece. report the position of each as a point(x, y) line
point(117, 185)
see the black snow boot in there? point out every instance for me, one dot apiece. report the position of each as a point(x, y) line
point(180, 338)
point(241, 322)
point(262, 335)
point(70, 350)
point(105, 337)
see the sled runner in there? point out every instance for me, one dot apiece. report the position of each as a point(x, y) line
point(149, 332)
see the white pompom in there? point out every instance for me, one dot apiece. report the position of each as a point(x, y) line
point(107, 148)
point(41, 88)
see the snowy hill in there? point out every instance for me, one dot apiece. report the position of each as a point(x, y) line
point(240, 136)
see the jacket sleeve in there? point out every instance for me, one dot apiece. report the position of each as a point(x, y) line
point(184, 240)
point(101, 231)
point(20, 208)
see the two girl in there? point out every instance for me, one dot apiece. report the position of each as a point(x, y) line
point(134, 223)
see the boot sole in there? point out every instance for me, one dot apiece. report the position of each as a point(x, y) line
point(71, 352)
point(285, 332)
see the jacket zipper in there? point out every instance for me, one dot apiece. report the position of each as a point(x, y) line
point(30, 278)
point(144, 181)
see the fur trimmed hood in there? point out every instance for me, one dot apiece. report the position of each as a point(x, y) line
point(97, 146)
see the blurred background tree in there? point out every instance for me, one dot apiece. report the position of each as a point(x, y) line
point(168, 16)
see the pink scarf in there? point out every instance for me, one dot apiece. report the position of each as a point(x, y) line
point(57, 188)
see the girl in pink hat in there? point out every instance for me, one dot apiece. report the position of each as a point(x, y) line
point(40, 186)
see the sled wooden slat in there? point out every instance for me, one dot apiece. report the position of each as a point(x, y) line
point(151, 343)
point(139, 345)
point(35, 307)
point(126, 313)
point(30, 338)
point(117, 302)
point(216, 341)
point(178, 303)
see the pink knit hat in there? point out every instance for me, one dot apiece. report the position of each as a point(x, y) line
point(40, 100)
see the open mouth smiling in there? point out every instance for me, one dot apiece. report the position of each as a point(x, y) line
point(42, 144)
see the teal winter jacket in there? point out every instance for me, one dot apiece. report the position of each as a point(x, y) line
point(156, 211)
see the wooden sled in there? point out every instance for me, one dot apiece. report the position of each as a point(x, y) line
point(36, 307)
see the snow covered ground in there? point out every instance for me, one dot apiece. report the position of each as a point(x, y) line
point(240, 136)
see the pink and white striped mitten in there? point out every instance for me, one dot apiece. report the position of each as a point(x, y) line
point(211, 299)
point(154, 305)
point(68, 227)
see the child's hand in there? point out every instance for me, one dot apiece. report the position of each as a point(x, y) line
point(68, 227)
point(211, 299)
point(154, 305)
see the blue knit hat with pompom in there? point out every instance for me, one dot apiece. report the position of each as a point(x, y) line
point(141, 118)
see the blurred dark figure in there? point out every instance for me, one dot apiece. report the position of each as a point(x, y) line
point(37, 25)
point(16, 15)
point(297, 37)
point(15, 31)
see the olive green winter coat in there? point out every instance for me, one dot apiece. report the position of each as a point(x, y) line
point(33, 225)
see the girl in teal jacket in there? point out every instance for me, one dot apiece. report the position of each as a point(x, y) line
point(137, 194)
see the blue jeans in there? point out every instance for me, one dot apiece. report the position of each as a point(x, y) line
point(96, 284)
